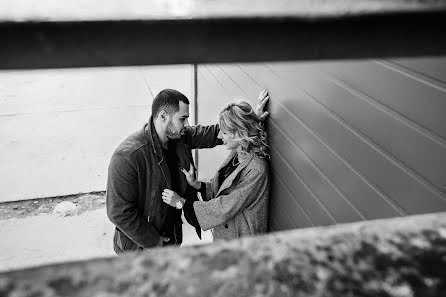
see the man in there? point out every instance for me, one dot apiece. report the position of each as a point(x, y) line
point(148, 162)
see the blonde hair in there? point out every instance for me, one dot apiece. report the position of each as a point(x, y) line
point(240, 119)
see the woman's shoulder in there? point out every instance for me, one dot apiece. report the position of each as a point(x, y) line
point(258, 164)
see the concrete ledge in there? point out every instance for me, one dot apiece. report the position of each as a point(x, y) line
point(393, 257)
point(48, 35)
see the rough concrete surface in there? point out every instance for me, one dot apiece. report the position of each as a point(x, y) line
point(402, 257)
point(58, 129)
point(48, 238)
point(34, 234)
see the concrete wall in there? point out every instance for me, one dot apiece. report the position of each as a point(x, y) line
point(394, 257)
point(59, 127)
point(350, 140)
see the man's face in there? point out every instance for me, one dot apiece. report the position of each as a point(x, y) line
point(178, 121)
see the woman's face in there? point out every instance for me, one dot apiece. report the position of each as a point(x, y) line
point(229, 140)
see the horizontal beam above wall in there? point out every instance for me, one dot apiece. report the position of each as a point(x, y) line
point(208, 32)
point(103, 10)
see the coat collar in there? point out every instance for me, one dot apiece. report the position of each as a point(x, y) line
point(244, 160)
point(154, 139)
point(149, 129)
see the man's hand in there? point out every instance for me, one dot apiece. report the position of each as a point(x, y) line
point(261, 102)
point(163, 240)
point(170, 197)
point(190, 177)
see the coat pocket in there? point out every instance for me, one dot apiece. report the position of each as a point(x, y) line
point(226, 231)
point(125, 243)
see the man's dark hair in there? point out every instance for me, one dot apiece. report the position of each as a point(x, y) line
point(168, 100)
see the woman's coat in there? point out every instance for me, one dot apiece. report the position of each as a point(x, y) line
point(239, 206)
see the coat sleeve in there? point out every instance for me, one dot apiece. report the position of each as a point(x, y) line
point(198, 137)
point(206, 190)
point(219, 210)
point(121, 203)
point(191, 195)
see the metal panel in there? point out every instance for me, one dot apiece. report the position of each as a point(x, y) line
point(335, 201)
point(418, 151)
point(347, 179)
point(285, 210)
point(335, 156)
point(210, 97)
point(376, 165)
point(300, 193)
point(433, 67)
point(414, 97)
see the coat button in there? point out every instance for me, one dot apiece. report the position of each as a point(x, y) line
point(226, 226)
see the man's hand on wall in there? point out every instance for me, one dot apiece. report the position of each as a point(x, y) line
point(261, 102)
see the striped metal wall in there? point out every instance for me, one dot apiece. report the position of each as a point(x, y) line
point(350, 140)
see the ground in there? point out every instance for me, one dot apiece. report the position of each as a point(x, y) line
point(34, 234)
point(34, 207)
point(59, 128)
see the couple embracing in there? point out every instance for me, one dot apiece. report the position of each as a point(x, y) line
point(151, 177)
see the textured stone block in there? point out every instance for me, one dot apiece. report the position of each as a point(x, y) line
point(392, 257)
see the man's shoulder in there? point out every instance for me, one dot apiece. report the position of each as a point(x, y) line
point(134, 143)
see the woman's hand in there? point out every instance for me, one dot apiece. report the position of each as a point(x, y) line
point(190, 177)
point(170, 197)
point(261, 102)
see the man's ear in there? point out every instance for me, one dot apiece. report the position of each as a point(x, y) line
point(163, 116)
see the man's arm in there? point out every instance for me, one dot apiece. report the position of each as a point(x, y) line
point(206, 136)
point(121, 202)
point(198, 137)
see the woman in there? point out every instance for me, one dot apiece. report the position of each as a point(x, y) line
point(235, 202)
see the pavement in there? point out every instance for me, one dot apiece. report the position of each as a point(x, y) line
point(58, 129)
point(49, 238)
